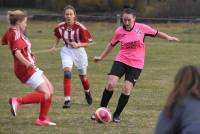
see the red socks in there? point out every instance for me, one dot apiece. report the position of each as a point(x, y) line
point(67, 87)
point(86, 84)
point(44, 108)
point(33, 97)
point(37, 97)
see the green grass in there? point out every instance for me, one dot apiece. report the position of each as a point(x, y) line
point(163, 59)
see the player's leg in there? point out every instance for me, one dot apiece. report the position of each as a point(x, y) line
point(42, 94)
point(123, 100)
point(86, 84)
point(45, 103)
point(80, 59)
point(67, 63)
point(108, 92)
point(31, 98)
point(34, 97)
point(131, 76)
point(117, 71)
point(67, 83)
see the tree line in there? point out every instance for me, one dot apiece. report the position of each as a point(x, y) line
point(145, 8)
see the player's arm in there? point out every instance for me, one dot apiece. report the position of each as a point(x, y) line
point(22, 59)
point(1, 43)
point(83, 44)
point(166, 36)
point(78, 45)
point(105, 52)
point(53, 49)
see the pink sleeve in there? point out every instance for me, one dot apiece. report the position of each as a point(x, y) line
point(115, 38)
point(149, 31)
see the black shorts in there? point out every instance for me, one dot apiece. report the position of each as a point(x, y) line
point(131, 74)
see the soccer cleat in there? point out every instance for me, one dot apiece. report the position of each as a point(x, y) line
point(67, 104)
point(93, 116)
point(88, 98)
point(39, 122)
point(14, 105)
point(116, 119)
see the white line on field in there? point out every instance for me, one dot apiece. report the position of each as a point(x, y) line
point(48, 50)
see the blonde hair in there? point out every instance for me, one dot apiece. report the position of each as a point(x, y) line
point(16, 15)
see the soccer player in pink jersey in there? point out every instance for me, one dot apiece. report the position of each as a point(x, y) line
point(26, 70)
point(129, 60)
point(75, 37)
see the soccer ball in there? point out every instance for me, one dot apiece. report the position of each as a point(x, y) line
point(103, 115)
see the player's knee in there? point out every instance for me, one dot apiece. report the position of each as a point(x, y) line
point(110, 85)
point(47, 95)
point(67, 74)
point(83, 77)
point(51, 90)
point(126, 90)
point(82, 71)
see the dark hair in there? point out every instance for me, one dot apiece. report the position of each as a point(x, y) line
point(17, 15)
point(129, 11)
point(70, 7)
point(186, 83)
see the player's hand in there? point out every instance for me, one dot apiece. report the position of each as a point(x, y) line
point(74, 45)
point(30, 65)
point(173, 39)
point(52, 50)
point(97, 59)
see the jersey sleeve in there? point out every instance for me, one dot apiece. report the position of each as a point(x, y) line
point(85, 36)
point(17, 42)
point(18, 45)
point(115, 38)
point(57, 33)
point(4, 39)
point(149, 31)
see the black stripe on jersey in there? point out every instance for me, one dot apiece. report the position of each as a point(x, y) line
point(151, 35)
point(114, 44)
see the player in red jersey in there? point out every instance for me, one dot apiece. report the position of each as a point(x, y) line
point(75, 37)
point(26, 70)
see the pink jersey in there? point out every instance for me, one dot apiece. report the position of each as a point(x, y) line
point(76, 33)
point(132, 50)
point(17, 41)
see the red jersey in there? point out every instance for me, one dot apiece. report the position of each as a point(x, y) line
point(76, 33)
point(17, 41)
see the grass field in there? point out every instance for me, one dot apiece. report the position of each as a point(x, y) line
point(163, 59)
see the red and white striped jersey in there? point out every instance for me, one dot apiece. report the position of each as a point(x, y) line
point(17, 41)
point(75, 33)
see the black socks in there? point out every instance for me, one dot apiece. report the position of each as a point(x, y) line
point(106, 98)
point(123, 100)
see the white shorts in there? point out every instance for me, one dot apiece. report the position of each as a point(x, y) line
point(78, 57)
point(36, 79)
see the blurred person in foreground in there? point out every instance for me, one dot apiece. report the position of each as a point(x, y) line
point(181, 114)
point(25, 69)
point(129, 60)
point(75, 37)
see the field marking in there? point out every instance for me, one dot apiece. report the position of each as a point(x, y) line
point(48, 50)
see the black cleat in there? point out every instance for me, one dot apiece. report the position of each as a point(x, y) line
point(116, 119)
point(88, 98)
point(67, 104)
point(93, 116)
